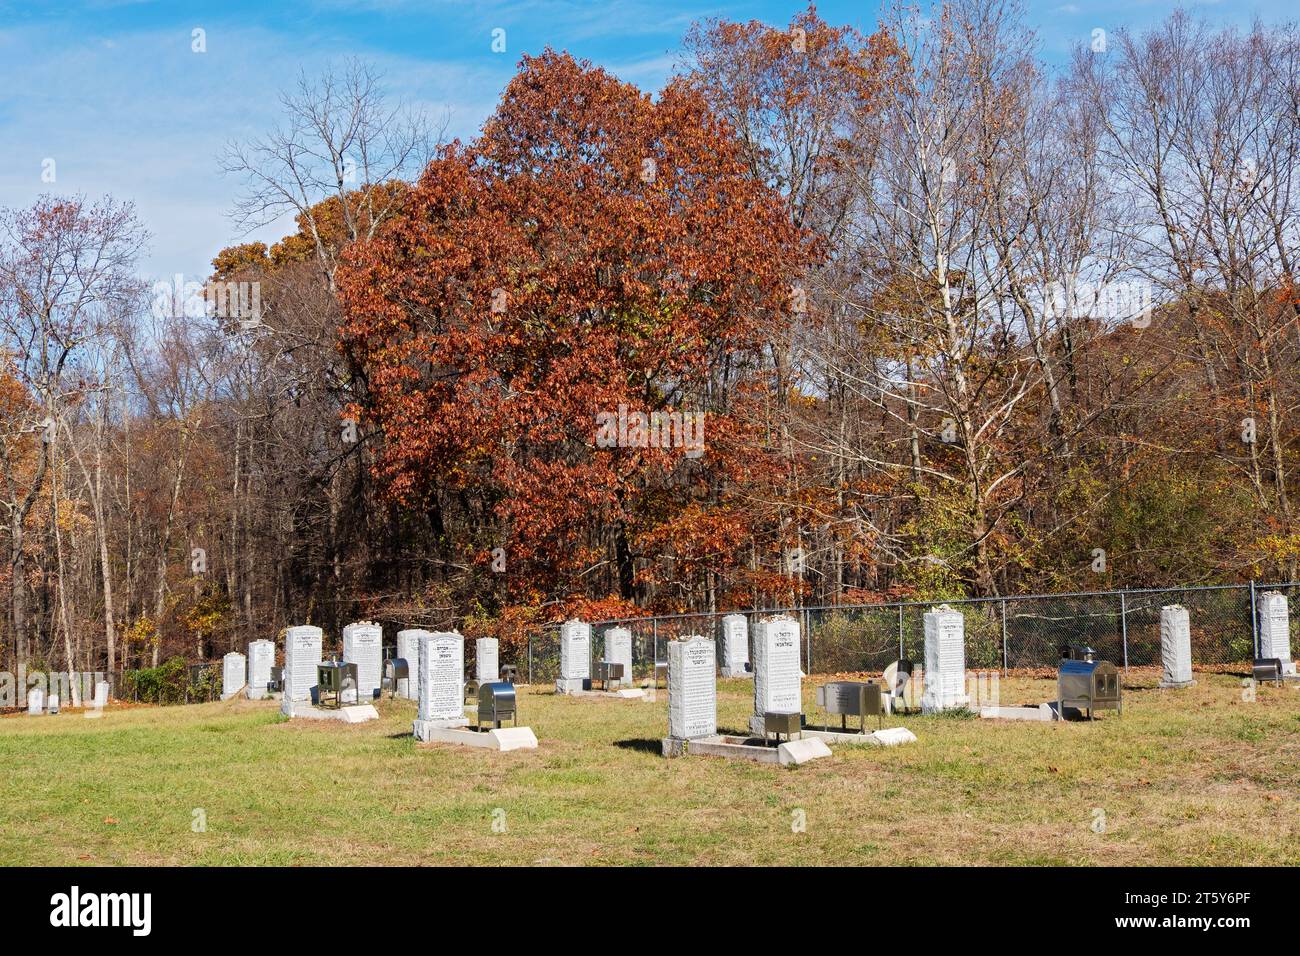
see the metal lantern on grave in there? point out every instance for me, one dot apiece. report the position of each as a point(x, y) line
point(335, 678)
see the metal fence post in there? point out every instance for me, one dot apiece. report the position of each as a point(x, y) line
point(1254, 618)
point(1004, 637)
point(807, 639)
point(530, 659)
point(1123, 626)
point(654, 631)
point(901, 653)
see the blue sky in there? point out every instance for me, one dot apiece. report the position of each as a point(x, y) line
point(112, 92)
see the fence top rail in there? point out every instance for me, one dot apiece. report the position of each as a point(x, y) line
point(901, 605)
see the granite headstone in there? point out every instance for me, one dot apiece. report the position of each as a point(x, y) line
point(692, 688)
point(945, 660)
point(363, 645)
point(302, 654)
point(1176, 646)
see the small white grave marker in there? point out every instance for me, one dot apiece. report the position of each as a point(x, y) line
point(408, 648)
point(1275, 629)
point(575, 657)
point(261, 658)
point(735, 646)
point(945, 660)
point(618, 650)
point(233, 670)
point(1176, 646)
point(486, 666)
point(35, 702)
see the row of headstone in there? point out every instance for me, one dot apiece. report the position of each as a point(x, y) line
point(363, 646)
point(575, 652)
point(575, 656)
point(778, 688)
point(40, 703)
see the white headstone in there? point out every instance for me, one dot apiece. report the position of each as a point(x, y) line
point(442, 676)
point(408, 648)
point(777, 687)
point(261, 658)
point(1175, 646)
point(101, 694)
point(35, 702)
point(575, 656)
point(692, 688)
point(945, 660)
point(735, 646)
point(52, 705)
point(486, 667)
point(363, 645)
point(302, 649)
point(618, 650)
point(1274, 627)
point(233, 671)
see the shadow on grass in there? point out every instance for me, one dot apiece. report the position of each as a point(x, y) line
point(640, 744)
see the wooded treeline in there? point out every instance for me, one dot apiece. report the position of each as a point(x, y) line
point(958, 324)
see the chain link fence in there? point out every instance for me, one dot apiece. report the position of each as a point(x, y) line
point(1001, 633)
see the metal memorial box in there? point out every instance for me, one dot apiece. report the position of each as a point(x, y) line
point(334, 678)
point(787, 724)
point(1088, 686)
point(850, 698)
point(496, 702)
point(1267, 669)
point(606, 672)
point(396, 669)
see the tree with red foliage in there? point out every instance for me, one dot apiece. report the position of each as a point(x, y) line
point(595, 250)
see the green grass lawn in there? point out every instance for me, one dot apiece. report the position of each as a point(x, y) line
point(1185, 777)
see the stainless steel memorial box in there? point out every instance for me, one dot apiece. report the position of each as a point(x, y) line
point(1088, 686)
point(496, 702)
point(850, 698)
